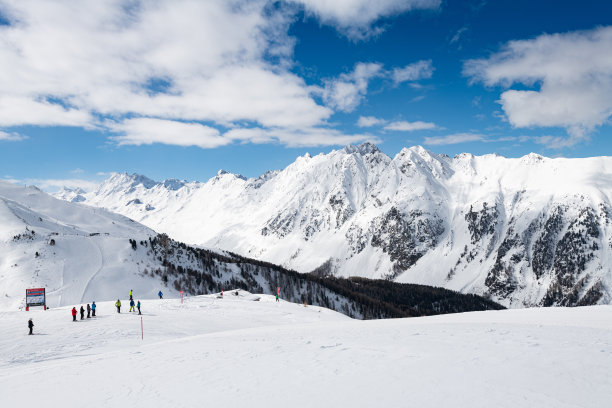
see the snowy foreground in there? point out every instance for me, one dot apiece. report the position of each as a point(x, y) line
point(236, 352)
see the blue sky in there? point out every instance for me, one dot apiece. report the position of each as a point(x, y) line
point(181, 89)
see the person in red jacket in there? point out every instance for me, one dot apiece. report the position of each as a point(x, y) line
point(74, 312)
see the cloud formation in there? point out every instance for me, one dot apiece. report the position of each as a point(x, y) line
point(354, 18)
point(11, 137)
point(139, 68)
point(454, 139)
point(571, 74)
point(410, 126)
point(369, 121)
point(346, 92)
point(413, 72)
point(89, 64)
point(146, 131)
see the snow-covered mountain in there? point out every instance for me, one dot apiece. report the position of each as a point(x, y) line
point(526, 231)
point(81, 253)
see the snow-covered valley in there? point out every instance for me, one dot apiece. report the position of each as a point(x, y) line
point(237, 352)
point(526, 231)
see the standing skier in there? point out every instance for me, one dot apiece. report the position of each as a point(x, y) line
point(30, 325)
point(160, 294)
point(88, 310)
point(93, 309)
point(277, 297)
point(74, 312)
point(118, 304)
point(82, 312)
point(131, 298)
point(132, 306)
point(138, 306)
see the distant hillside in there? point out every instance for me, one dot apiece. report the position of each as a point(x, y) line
point(200, 271)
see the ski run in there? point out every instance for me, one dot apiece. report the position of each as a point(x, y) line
point(246, 350)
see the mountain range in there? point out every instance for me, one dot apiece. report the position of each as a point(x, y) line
point(523, 231)
point(81, 254)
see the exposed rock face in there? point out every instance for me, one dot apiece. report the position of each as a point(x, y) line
point(526, 231)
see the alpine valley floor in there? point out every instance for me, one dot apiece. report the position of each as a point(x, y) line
point(236, 352)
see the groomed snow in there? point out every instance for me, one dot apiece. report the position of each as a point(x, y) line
point(236, 352)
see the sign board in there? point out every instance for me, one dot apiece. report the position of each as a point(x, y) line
point(35, 297)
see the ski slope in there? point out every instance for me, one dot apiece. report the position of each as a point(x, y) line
point(236, 352)
point(91, 258)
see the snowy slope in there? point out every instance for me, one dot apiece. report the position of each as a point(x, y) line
point(526, 231)
point(234, 352)
point(91, 258)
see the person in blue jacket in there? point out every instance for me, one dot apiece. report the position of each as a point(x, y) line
point(93, 309)
point(132, 306)
point(160, 294)
point(138, 307)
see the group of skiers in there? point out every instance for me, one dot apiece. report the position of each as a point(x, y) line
point(91, 311)
point(132, 304)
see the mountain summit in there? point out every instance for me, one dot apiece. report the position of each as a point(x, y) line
point(525, 231)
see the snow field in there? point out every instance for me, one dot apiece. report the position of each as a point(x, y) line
point(236, 352)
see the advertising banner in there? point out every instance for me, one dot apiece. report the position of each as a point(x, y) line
point(35, 297)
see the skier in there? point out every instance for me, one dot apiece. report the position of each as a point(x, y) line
point(277, 297)
point(88, 310)
point(132, 306)
point(74, 312)
point(160, 294)
point(82, 312)
point(118, 304)
point(93, 309)
point(138, 306)
point(30, 325)
point(131, 298)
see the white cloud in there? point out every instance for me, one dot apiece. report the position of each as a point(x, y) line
point(454, 139)
point(573, 74)
point(369, 121)
point(299, 138)
point(346, 92)
point(410, 126)
point(354, 18)
point(146, 131)
point(71, 63)
point(413, 72)
point(92, 64)
point(11, 137)
point(458, 34)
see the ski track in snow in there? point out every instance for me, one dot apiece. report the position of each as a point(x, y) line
point(97, 271)
point(237, 353)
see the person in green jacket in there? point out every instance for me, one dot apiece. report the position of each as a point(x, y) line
point(118, 304)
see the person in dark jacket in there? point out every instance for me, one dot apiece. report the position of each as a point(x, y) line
point(138, 307)
point(132, 304)
point(93, 309)
point(88, 310)
point(82, 312)
point(118, 305)
point(74, 312)
point(160, 294)
point(30, 325)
